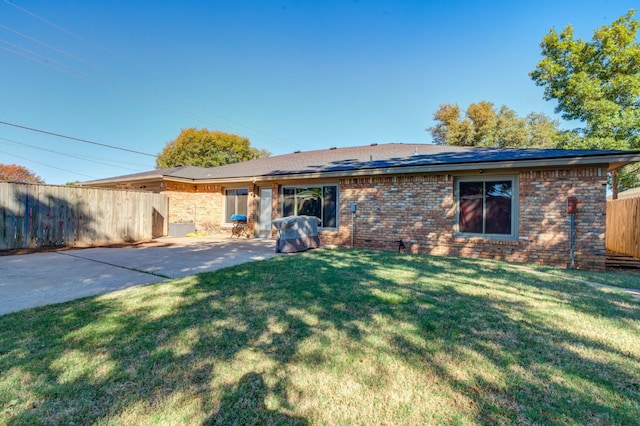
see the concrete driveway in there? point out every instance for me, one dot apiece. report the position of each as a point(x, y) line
point(39, 279)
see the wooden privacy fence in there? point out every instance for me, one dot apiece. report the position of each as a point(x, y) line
point(34, 216)
point(623, 229)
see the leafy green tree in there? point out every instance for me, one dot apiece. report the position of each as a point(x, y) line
point(484, 126)
point(16, 173)
point(626, 178)
point(450, 129)
point(544, 133)
point(205, 148)
point(597, 83)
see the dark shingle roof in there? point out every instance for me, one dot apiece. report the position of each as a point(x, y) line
point(333, 159)
point(383, 156)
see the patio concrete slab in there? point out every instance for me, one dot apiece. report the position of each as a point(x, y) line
point(39, 279)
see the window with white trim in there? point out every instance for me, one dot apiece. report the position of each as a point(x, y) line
point(235, 202)
point(487, 207)
point(320, 201)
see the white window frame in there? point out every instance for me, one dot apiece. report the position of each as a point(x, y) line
point(227, 218)
point(515, 207)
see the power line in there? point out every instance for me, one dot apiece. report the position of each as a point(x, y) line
point(182, 111)
point(82, 75)
point(78, 73)
point(55, 49)
point(67, 155)
point(46, 61)
point(54, 25)
point(47, 165)
point(75, 139)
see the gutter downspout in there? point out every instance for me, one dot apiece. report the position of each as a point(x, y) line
point(572, 237)
point(572, 206)
point(353, 223)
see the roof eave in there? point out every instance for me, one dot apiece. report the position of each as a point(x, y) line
point(112, 181)
point(611, 161)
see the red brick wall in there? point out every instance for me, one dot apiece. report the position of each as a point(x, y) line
point(201, 204)
point(420, 211)
point(205, 205)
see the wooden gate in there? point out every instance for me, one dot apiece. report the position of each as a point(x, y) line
point(623, 228)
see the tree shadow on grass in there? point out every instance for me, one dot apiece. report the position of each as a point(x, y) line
point(554, 375)
point(192, 347)
point(245, 405)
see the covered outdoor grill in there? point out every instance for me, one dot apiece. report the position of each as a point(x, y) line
point(296, 233)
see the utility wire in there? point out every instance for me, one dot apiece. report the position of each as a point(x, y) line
point(68, 155)
point(92, 79)
point(100, 82)
point(48, 62)
point(47, 165)
point(79, 74)
point(82, 75)
point(55, 49)
point(273, 138)
point(75, 139)
point(54, 25)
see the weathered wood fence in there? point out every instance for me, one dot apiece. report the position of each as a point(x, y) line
point(623, 226)
point(34, 216)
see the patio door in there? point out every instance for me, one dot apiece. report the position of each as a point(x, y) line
point(264, 218)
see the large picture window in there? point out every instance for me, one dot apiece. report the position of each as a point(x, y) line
point(235, 202)
point(318, 201)
point(487, 207)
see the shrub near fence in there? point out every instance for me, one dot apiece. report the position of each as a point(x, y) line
point(33, 216)
point(623, 229)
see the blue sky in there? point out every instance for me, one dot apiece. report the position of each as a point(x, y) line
point(289, 75)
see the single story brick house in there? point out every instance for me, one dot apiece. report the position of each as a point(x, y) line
point(508, 204)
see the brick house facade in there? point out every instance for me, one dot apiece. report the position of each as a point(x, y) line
point(422, 207)
point(420, 211)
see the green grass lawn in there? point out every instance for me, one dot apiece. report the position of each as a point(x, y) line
point(330, 337)
point(612, 278)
